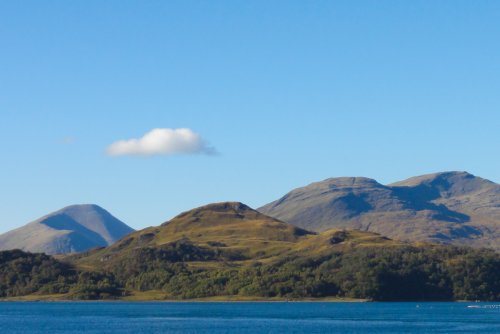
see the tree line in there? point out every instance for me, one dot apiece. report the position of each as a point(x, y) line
point(378, 273)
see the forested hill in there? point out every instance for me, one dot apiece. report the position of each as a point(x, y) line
point(231, 251)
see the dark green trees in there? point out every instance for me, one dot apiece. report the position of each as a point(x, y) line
point(376, 273)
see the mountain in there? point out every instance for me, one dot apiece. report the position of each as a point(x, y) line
point(228, 251)
point(74, 228)
point(450, 207)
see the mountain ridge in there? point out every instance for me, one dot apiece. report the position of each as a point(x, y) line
point(446, 207)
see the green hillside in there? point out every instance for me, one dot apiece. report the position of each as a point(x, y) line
point(230, 251)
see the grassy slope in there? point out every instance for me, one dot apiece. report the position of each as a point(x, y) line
point(233, 228)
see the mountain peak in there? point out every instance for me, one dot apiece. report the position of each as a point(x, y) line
point(351, 181)
point(436, 177)
point(73, 228)
point(450, 184)
point(333, 184)
point(80, 209)
point(85, 206)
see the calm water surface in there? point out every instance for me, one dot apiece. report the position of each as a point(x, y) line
point(275, 317)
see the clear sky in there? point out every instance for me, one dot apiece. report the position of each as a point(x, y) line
point(272, 94)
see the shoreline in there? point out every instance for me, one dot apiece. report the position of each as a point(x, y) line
point(41, 300)
point(28, 299)
point(140, 298)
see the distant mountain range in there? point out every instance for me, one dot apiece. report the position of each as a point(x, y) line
point(74, 228)
point(450, 207)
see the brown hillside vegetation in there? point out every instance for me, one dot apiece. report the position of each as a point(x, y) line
point(235, 232)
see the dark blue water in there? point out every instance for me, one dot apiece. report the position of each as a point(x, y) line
point(124, 317)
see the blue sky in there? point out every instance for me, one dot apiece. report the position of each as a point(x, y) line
point(286, 92)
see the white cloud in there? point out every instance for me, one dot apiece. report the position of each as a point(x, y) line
point(162, 142)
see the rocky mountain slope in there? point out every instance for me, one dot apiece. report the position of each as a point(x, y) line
point(449, 207)
point(74, 228)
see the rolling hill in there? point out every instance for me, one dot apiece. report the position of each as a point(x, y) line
point(228, 231)
point(450, 207)
point(74, 228)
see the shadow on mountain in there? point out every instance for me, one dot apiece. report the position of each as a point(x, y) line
point(351, 205)
point(462, 232)
point(64, 222)
point(419, 198)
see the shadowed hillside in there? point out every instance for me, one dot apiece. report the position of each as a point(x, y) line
point(451, 207)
